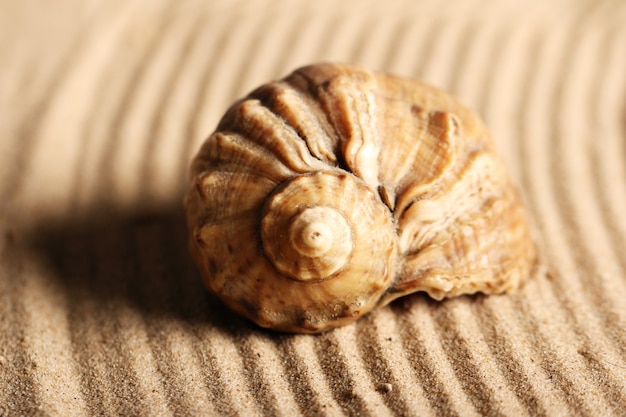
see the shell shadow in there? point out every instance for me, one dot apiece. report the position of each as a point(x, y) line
point(107, 259)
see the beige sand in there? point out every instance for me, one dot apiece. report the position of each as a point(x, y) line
point(102, 104)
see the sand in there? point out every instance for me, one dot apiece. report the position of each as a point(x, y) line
point(102, 312)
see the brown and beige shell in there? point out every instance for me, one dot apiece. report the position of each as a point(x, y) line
point(337, 189)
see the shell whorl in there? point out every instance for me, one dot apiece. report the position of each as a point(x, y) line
point(337, 189)
point(306, 232)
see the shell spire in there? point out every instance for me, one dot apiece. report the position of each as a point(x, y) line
point(335, 190)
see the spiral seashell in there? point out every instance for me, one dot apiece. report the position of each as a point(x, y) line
point(337, 189)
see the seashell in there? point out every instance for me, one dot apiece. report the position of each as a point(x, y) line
point(337, 189)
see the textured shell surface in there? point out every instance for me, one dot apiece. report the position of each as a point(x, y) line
point(337, 189)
